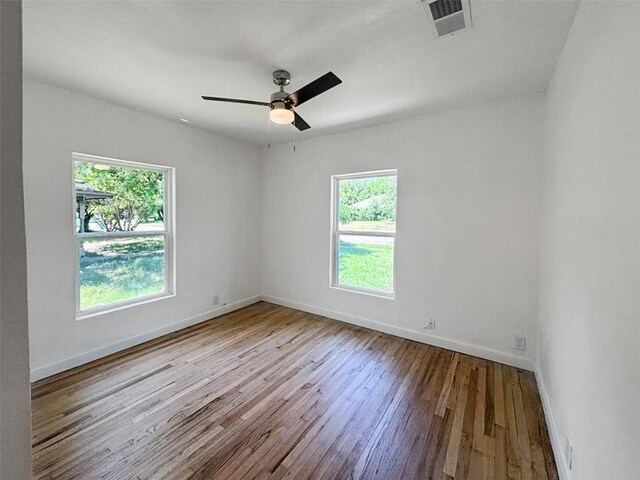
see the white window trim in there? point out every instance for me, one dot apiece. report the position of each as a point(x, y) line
point(336, 232)
point(168, 233)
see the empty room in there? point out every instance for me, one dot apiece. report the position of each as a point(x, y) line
point(320, 240)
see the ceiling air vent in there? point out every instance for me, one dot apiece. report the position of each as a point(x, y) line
point(449, 16)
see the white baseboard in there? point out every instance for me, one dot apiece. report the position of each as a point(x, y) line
point(449, 344)
point(552, 426)
point(44, 371)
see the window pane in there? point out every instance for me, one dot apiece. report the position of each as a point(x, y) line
point(368, 204)
point(366, 262)
point(115, 199)
point(117, 269)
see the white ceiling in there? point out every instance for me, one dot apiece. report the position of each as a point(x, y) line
point(159, 57)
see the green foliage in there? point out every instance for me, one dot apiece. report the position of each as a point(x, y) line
point(367, 266)
point(146, 245)
point(114, 272)
point(368, 199)
point(138, 195)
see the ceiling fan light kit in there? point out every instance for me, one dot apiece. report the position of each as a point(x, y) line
point(281, 114)
point(282, 104)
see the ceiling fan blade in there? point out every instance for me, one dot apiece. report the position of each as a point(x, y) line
point(299, 123)
point(235, 100)
point(315, 88)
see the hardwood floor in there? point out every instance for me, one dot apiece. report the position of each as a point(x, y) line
point(268, 392)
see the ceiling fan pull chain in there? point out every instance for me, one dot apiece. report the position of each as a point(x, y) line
point(294, 139)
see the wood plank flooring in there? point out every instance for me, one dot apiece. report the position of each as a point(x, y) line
point(268, 392)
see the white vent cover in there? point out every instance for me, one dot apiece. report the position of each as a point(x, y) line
point(449, 16)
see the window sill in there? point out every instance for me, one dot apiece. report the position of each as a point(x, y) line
point(94, 312)
point(363, 291)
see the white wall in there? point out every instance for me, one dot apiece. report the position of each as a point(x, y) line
point(467, 225)
point(218, 188)
point(15, 401)
point(590, 276)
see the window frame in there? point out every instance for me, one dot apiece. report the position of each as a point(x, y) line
point(336, 232)
point(168, 234)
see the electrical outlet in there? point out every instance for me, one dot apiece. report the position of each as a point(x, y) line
point(568, 452)
point(216, 299)
point(520, 343)
point(431, 324)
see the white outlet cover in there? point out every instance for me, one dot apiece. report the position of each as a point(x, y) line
point(520, 342)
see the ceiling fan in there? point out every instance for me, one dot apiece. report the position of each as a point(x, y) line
point(282, 104)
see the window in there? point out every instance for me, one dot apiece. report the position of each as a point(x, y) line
point(123, 233)
point(364, 231)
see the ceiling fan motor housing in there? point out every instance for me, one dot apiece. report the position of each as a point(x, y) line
point(280, 97)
